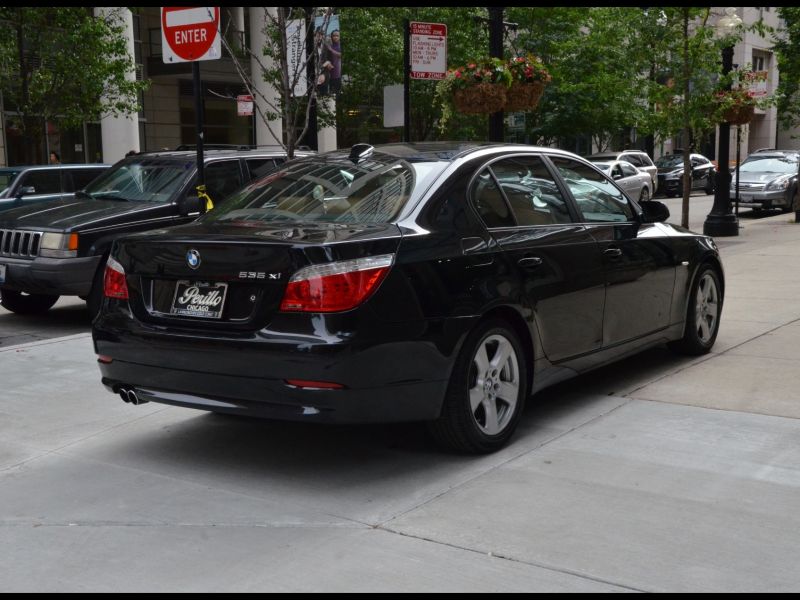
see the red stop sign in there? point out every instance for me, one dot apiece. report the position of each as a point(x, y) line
point(190, 31)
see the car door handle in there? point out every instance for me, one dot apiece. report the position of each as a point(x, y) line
point(613, 252)
point(529, 262)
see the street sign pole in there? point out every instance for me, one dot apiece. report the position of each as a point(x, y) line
point(406, 80)
point(191, 34)
point(198, 109)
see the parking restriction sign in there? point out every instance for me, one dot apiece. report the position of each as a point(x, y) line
point(190, 33)
point(428, 50)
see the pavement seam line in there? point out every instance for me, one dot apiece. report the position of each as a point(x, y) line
point(516, 560)
point(192, 482)
point(47, 342)
point(501, 464)
point(83, 439)
point(708, 357)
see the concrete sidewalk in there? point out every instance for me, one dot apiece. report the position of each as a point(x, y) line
point(660, 473)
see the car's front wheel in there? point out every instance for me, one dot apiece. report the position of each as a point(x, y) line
point(644, 196)
point(26, 304)
point(487, 391)
point(703, 313)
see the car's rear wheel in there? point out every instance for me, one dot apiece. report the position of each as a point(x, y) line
point(703, 313)
point(487, 391)
point(709, 189)
point(26, 304)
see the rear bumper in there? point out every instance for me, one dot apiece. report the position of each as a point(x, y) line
point(390, 374)
point(53, 276)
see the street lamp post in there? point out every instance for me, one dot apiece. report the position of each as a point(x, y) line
point(721, 221)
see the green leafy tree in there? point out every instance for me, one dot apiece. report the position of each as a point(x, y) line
point(64, 65)
point(686, 67)
point(596, 87)
point(372, 39)
point(787, 49)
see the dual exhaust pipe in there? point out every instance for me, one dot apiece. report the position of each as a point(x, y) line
point(128, 394)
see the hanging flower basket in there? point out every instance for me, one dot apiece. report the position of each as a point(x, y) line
point(524, 96)
point(739, 115)
point(480, 98)
point(736, 106)
point(529, 77)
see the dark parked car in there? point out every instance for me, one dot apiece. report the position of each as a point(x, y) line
point(767, 179)
point(24, 185)
point(670, 174)
point(411, 282)
point(59, 247)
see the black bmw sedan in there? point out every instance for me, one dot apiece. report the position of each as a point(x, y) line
point(438, 282)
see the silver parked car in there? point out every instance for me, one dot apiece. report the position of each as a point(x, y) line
point(635, 183)
point(638, 158)
point(767, 179)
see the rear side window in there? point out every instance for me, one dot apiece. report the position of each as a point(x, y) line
point(222, 178)
point(598, 199)
point(634, 159)
point(44, 182)
point(531, 191)
point(259, 167)
point(489, 202)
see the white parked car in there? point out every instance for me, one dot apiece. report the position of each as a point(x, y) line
point(635, 183)
point(638, 158)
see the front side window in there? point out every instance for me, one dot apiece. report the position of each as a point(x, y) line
point(371, 191)
point(141, 181)
point(628, 170)
point(598, 199)
point(43, 182)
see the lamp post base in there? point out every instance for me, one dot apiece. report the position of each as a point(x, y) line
point(721, 225)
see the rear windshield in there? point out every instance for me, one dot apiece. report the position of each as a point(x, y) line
point(372, 191)
point(141, 181)
point(672, 160)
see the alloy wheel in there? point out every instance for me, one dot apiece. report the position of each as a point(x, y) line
point(494, 384)
point(706, 308)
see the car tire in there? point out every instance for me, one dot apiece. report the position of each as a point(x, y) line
point(670, 194)
point(26, 304)
point(702, 315)
point(709, 189)
point(644, 195)
point(487, 391)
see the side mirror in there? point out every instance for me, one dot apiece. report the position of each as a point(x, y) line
point(189, 205)
point(616, 176)
point(26, 191)
point(654, 211)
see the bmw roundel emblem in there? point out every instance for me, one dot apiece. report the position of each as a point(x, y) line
point(193, 258)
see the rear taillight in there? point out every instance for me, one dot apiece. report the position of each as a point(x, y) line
point(114, 285)
point(335, 287)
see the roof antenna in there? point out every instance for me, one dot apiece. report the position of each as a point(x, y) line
point(360, 152)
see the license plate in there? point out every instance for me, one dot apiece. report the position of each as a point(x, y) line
point(2, 273)
point(199, 299)
point(745, 198)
